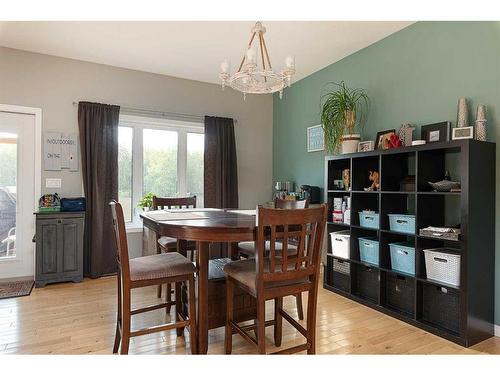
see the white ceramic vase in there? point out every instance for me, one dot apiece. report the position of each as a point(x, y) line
point(350, 143)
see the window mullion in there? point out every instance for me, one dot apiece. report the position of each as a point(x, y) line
point(137, 169)
point(181, 162)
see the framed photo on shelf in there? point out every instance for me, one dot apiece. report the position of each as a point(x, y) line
point(382, 141)
point(365, 146)
point(315, 138)
point(438, 132)
point(463, 133)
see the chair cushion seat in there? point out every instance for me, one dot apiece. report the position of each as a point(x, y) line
point(170, 243)
point(249, 247)
point(160, 266)
point(244, 272)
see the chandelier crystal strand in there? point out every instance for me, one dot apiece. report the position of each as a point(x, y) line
point(250, 78)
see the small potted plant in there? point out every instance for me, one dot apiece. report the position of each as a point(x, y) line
point(341, 111)
point(146, 202)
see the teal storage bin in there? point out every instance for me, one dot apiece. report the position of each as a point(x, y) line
point(402, 223)
point(369, 220)
point(403, 257)
point(368, 250)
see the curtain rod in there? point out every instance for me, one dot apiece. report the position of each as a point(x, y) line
point(161, 114)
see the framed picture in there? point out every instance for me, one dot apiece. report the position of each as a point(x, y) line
point(382, 140)
point(438, 132)
point(365, 146)
point(463, 133)
point(315, 138)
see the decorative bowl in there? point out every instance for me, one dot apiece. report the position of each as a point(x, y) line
point(444, 185)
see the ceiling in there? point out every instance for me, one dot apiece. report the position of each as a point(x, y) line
point(194, 50)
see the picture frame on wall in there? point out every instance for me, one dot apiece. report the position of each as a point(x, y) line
point(382, 140)
point(365, 146)
point(315, 138)
point(438, 132)
point(466, 132)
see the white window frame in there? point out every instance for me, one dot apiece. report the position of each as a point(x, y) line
point(138, 124)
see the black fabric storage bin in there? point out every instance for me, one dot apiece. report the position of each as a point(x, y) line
point(367, 282)
point(441, 306)
point(400, 293)
point(341, 274)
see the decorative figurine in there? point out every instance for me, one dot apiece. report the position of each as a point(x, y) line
point(405, 134)
point(347, 178)
point(481, 122)
point(375, 180)
point(462, 113)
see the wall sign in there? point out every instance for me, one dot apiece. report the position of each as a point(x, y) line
point(60, 151)
point(315, 138)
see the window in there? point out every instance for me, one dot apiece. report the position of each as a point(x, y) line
point(164, 157)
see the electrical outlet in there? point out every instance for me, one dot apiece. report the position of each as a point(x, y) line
point(54, 183)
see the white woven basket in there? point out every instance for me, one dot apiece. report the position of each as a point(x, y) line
point(442, 267)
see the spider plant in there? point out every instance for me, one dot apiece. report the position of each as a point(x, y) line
point(341, 110)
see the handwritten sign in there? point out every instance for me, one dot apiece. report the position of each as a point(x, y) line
point(60, 152)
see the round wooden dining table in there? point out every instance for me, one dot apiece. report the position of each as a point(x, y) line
point(203, 226)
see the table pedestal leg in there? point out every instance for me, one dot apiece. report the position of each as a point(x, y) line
point(202, 264)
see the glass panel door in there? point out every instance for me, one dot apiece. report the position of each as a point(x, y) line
point(8, 194)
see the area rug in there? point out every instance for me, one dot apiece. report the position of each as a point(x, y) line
point(13, 289)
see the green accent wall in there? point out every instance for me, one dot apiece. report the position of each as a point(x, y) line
point(415, 75)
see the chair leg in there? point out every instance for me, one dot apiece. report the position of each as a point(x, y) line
point(228, 340)
point(158, 293)
point(158, 251)
point(168, 292)
point(278, 321)
point(178, 306)
point(118, 317)
point(261, 325)
point(125, 321)
point(193, 328)
point(311, 318)
point(300, 309)
point(191, 256)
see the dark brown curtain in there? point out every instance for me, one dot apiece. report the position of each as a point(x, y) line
point(98, 125)
point(220, 165)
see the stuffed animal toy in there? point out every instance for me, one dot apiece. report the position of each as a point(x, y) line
point(375, 180)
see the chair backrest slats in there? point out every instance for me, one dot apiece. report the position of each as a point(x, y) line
point(284, 252)
point(272, 246)
point(305, 227)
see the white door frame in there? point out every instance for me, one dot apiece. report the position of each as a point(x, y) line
point(37, 113)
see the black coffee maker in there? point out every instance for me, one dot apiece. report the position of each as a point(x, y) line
point(312, 193)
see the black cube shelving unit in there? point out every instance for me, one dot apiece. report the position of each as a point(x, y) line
point(462, 314)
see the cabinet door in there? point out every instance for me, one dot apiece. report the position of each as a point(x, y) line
point(47, 246)
point(70, 245)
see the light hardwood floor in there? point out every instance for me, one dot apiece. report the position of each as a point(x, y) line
point(80, 319)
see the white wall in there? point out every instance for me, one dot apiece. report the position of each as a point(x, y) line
point(53, 83)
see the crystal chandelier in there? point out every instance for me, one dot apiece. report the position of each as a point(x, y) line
point(254, 77)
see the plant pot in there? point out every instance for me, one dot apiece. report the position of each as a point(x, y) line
point(350, 143)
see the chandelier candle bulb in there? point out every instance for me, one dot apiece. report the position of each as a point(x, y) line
point(224, 66)
point(290, 62)
point(251, 56)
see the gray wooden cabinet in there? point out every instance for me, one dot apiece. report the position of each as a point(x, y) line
point(59, 247)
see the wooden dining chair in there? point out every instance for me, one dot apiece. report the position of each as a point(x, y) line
point(146, 271)
point(278, 275)
point(247, 249)
point(166, 244)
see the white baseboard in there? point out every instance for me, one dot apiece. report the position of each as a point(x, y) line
point(497, 330)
